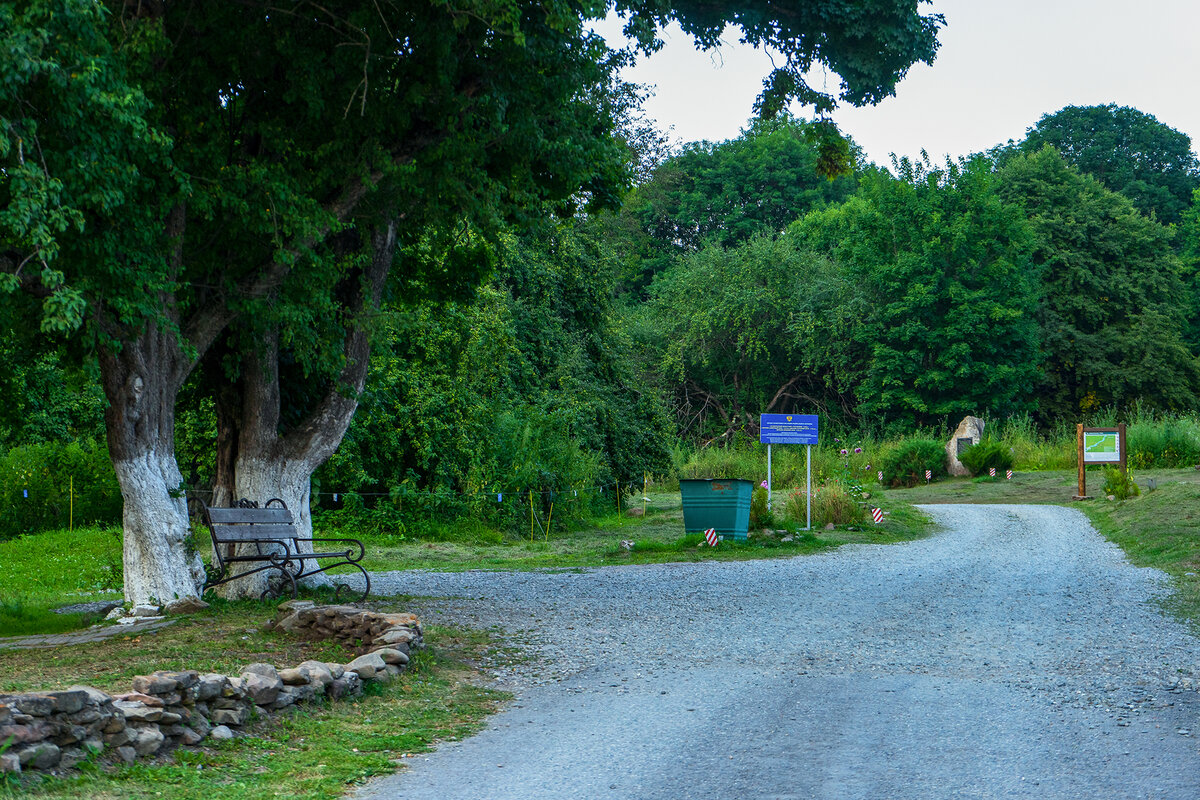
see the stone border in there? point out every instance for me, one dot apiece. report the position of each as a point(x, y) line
point(57, 730)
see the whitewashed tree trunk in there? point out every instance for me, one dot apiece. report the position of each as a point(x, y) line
point(141, 381)
point(269, 465)
point(158, 566)
point(261, 480)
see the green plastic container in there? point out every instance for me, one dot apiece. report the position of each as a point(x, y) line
point(720, 503)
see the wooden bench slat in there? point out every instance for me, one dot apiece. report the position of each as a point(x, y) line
point(241, 533)
point(244, 516)
point(277, 541)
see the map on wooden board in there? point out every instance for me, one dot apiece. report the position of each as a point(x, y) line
point(1102, 447)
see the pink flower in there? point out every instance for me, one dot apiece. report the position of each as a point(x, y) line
point(858, 450)
point(843, 451)
point(763, 484)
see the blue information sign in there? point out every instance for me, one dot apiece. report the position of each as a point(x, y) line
point(787, 429)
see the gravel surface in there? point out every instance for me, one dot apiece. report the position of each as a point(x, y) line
point(1016, 654)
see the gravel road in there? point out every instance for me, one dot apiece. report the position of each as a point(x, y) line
point(1016, 654)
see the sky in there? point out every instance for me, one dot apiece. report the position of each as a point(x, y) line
point(1000, 67)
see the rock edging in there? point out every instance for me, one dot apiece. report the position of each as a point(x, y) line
point(57, 730)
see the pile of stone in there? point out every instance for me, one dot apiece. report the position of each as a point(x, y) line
point(361, 631)
point(165, 710)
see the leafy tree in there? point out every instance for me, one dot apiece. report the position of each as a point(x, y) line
point(49, 394)
point(945, 268)
point(200, 163)
point(1112, 308)
point(1188, 242)
point(757, 328)
point(1128, 151)
point(526, 386)
point(724, 193)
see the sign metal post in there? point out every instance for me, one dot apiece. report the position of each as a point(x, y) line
point(790, 429)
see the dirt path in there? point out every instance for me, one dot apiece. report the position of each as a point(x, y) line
point(1014, 655)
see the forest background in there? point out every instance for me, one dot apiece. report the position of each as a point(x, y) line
point(1042, 283)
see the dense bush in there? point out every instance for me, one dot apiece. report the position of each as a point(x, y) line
point(1119, 484)
point(907, 463)
point(760, 514)
point(1166, 442)
point(978, 458)
point(833, 503)
point(36, 487)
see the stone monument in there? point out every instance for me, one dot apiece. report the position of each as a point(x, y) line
point(968, 432)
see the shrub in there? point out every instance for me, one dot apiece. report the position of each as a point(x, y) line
point(907, 463)
point(978, 458)
point(1167, 442)
point(830, 503)
point(795, 506)
point(760, 515)
point(834, 503)
point(1119, 484)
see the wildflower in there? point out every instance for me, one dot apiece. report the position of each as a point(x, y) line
point(857, 450)
point(843, 451)
point(763, 484)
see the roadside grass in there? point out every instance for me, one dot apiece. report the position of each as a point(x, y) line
point(316, 752)
point(1160, 529)
point(657, 537)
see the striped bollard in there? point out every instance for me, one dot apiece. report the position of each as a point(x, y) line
point(1008, 475)
point(877, 515)
point(928, 475)
point(710, 536)
point(992, 472)
point(880, 474)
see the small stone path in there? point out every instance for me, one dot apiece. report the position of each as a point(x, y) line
point(96, 633)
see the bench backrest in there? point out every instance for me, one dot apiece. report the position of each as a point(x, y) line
point(242, 524)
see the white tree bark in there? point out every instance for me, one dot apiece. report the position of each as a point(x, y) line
point(261, 480)
point(269, 465)
point(158, 567)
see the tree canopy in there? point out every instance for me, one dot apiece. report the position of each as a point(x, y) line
point(1111, 313)
point(1127, 150)
point(948, 286)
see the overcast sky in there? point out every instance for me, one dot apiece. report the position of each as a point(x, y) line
point(1000, 67)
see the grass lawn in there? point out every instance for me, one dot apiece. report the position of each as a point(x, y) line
point(47, 570)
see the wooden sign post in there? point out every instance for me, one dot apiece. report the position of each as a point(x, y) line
point(1098, 446)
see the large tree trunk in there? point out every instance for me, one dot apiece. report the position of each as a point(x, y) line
point(141, 382)
point(270, 465)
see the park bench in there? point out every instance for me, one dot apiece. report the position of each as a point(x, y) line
point(253, 539)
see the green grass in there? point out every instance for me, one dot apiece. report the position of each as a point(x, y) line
point(1160, 529)
point(40, 572)
point(317, 752)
